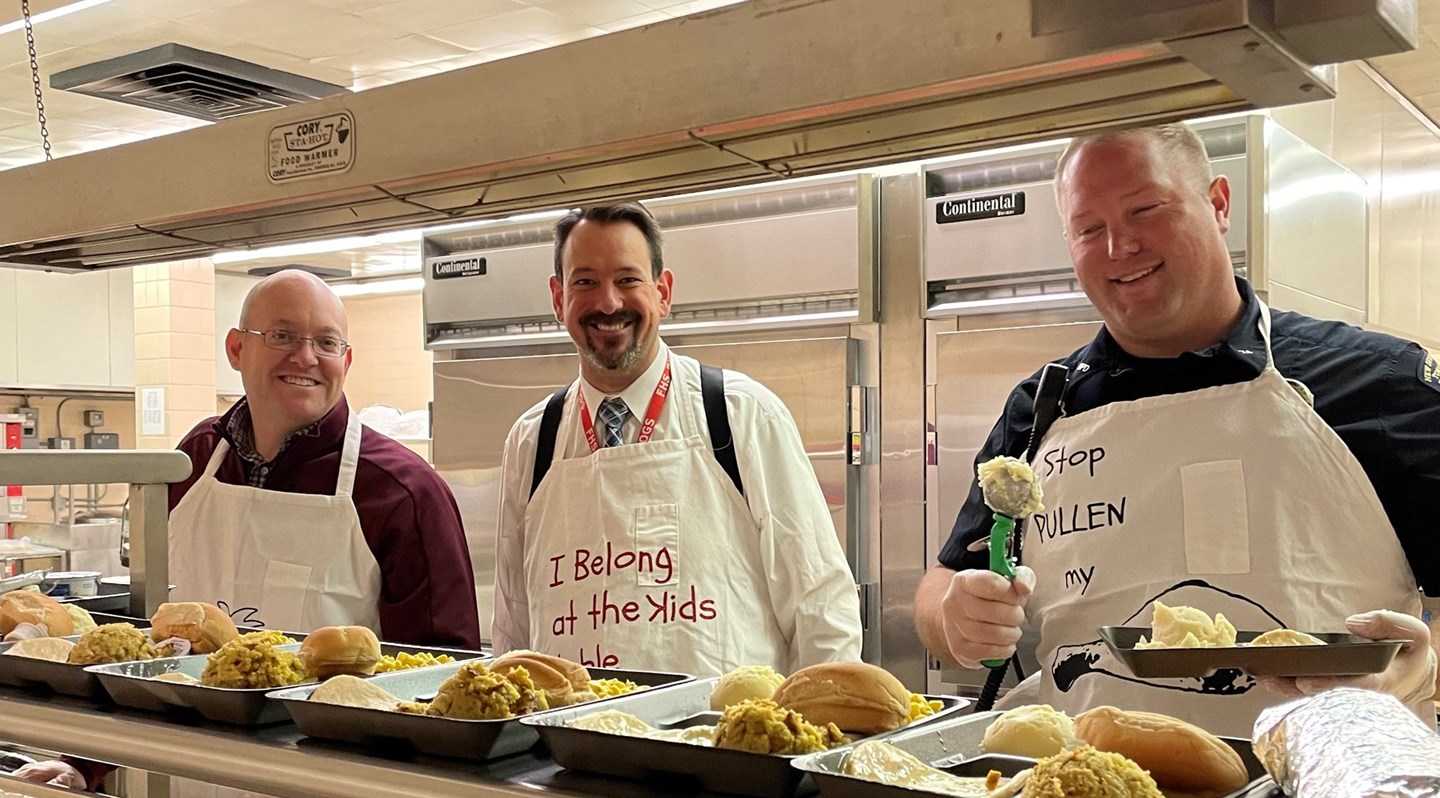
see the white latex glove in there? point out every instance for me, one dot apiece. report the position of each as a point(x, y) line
point(983, 612)
point(53, 772)
point(1410, 677)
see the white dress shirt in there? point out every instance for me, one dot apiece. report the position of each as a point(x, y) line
point(813, 597)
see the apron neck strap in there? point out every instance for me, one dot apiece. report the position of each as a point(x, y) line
point(349, 456)
point(1265, 333)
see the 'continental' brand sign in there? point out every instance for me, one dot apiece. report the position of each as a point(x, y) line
point(457, 267)
point(972, 208)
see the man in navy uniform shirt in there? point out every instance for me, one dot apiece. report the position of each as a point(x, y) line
point(1212, 453)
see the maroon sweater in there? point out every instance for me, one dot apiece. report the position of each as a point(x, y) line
point(407, 513)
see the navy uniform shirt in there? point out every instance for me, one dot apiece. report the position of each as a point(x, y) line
point(1380, 394)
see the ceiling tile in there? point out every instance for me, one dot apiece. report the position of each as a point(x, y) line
point(572, 36)
point(352, 6)
point(530, 23)
point(91, 25)
point(475, 35)
point(648, 18)
point(689, 7)
point(595, 12)
point(409, 51)
point(409, 15)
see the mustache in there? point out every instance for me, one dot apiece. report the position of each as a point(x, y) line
point(618, 317)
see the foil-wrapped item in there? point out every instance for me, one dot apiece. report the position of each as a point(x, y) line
point(1347, 742)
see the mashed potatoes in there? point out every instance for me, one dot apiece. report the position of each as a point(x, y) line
point(1087, 773)
point(1034, 730)
point(1286, 637)
point(252, 663)
point(82, 619)
point(477, 693)
point(1010, 487)
point(1187, 627)
point(764, 727)
point(743, 684)
point(113, 642)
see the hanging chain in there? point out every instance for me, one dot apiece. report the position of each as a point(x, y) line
point(35, 77)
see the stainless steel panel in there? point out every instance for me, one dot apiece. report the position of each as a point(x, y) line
point(974, 372)
point(477, 401)
point(903, 557)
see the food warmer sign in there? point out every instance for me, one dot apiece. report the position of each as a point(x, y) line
point(318, 146)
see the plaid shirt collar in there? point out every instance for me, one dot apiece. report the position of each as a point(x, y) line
point(241, 432)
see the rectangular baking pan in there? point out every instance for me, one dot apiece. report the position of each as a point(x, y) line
point(392, 731)
point(62, 677)
point(717, 769)
point(133, 685)
point(1342, 655)
point(953, 746)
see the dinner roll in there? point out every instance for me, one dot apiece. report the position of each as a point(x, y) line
point(856, 696)
point(333, 650)
point(27, 606)
point(562, 681)
point(1180, 757)
point(206, 626)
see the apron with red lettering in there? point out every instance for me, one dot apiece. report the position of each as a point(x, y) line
point(644, 556)
point(1237, 499)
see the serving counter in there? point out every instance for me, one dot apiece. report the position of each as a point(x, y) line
point(279, 761)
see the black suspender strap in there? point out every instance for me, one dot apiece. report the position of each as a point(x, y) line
point(717, 418)
point(545, 443)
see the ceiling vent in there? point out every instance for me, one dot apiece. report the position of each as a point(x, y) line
point(190, 82)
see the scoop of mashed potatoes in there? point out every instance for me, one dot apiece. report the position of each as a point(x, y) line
point(1087, 773)
point(743, 684)
point(1187, 627)
point(252, 664)
point(81, 618)
point(477, 693)
point(1034, 730)
point(1010, 487)
point(764, 727)
point(113, 642)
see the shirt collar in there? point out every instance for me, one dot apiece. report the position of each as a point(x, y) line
point(1243, 343)
point(240, 431)
point(637, 395)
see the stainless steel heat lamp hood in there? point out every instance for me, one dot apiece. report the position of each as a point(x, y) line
point(742, 94)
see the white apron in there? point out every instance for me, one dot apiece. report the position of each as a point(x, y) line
point(644, 556)
point(1236, 499)
point(289, 561)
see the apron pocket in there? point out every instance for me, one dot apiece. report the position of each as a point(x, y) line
point(282, 597)
point(657, 544)
point(1217, 518)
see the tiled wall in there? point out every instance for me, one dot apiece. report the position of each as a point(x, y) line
point(391, 365)
point(175, 344)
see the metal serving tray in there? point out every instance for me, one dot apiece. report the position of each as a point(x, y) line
point(62, 677)
point(108, 597)
point(718, 769)
point(400, 732)
point(953, 746)
point(133, 685)
point(1342, 655)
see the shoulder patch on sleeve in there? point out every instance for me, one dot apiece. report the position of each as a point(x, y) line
point(1429, 370)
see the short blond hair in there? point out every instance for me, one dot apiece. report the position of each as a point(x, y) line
point(1177, 140)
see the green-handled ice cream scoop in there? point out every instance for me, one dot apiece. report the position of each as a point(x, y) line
point(1012, 491)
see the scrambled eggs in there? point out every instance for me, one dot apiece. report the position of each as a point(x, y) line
point(477, 693)
point(920, 706)
point(113, 642)
point(764, 727)
point(404, 661)
point(250, 664)
point(607, 688)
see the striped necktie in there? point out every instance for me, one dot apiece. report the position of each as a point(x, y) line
point(613, 413)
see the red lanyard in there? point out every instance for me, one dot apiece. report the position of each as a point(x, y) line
point(647, 426)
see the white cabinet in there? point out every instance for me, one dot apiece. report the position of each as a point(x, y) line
point(62, 330)
point(230, 291)
point(122, 328)
point(8, 344)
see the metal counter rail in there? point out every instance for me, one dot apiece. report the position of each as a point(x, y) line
point(279, 761)
point(149, 474)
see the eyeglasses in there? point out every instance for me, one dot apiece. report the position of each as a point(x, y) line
point(286, 341)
